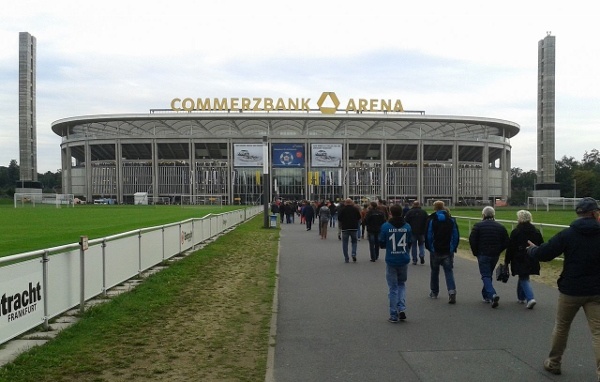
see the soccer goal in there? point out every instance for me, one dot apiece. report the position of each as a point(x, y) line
point(27, 199)
point(155, 200)
point(551, 203)
point(213, 200)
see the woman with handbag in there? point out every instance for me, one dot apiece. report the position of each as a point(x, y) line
point(520, 263)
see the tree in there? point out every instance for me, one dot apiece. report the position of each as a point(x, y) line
point(3, 177)
point(13, 173)
point(591, 161)
point(522, 184)
point(50, 181)
point(564, 172)
point(587, 183)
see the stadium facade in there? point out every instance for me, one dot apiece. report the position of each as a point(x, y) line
point(212, 149)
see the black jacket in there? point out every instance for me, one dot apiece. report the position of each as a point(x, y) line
point(580, 244)
point(308, 212)
point(442, 234)
point(348, 217)
point(417, 218)
point(374, 219)
point(516, 253)
point(488, 238)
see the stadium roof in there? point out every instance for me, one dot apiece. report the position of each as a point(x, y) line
point(288, 125)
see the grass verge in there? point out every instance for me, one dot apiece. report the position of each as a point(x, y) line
point(205, 318)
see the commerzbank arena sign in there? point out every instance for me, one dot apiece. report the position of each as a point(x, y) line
point(328, 103)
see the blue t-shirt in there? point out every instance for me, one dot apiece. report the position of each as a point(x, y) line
point(396, 239)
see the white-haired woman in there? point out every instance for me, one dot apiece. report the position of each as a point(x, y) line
point(516, 255)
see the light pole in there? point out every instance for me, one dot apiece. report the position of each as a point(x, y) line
point(266, 186)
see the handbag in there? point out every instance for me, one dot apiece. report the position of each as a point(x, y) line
point(502, 273)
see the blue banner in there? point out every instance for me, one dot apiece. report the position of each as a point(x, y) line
point(288, 155)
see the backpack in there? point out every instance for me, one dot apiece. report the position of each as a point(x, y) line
point(375, 220)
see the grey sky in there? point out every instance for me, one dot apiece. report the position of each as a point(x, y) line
point(446, 58)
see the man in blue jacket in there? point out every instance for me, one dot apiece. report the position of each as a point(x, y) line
point(579, 281)
point(442, 241)
point(488, 239)
point(395, 236)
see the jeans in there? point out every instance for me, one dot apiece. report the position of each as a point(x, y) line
point(447, 262)
point(396, 280)
point(486, 269)
point(333, 220)
point(349, 233)
point(418, 241)
point(524, 291)
point(568, 306)
point(373, 245)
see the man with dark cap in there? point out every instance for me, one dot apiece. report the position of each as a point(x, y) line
point(579, 281)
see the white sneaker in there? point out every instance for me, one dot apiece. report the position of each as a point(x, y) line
point(521, 301)
point(531, 304)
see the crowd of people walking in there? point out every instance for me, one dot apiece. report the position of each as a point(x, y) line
point(405, 231)
point(437, 232)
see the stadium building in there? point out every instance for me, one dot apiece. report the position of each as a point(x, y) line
point(212, 150)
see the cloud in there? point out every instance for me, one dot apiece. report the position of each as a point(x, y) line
point(450, 58)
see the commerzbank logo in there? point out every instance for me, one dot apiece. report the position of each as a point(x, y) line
point(327, 103)
point(328, 96)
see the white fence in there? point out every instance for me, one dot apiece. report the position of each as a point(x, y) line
point(513, 224)
point(548, 203)
point(22, 199)
point(40, 285)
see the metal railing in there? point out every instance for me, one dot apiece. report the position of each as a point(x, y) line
point(512, 223)
point(37, 286)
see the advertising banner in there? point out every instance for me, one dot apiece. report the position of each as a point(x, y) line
point(21, 294)
point(326, 155)
point(248, 155)
point(288, 155)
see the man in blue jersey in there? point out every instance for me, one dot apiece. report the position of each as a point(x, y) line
point(395, 236)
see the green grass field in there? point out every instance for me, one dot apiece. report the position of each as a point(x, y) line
point(28, 229)
point(557, 217)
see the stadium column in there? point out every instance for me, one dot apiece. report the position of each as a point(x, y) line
point(383, 172)
point(456, 178)
point(155, 176)
point(504, 166)
point(420, 161)
point(192, 167)
point(485, 173)
point(119, 170)
point(265, 181)
point(88, 172)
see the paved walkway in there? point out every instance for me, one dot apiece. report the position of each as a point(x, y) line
point(332, 323)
